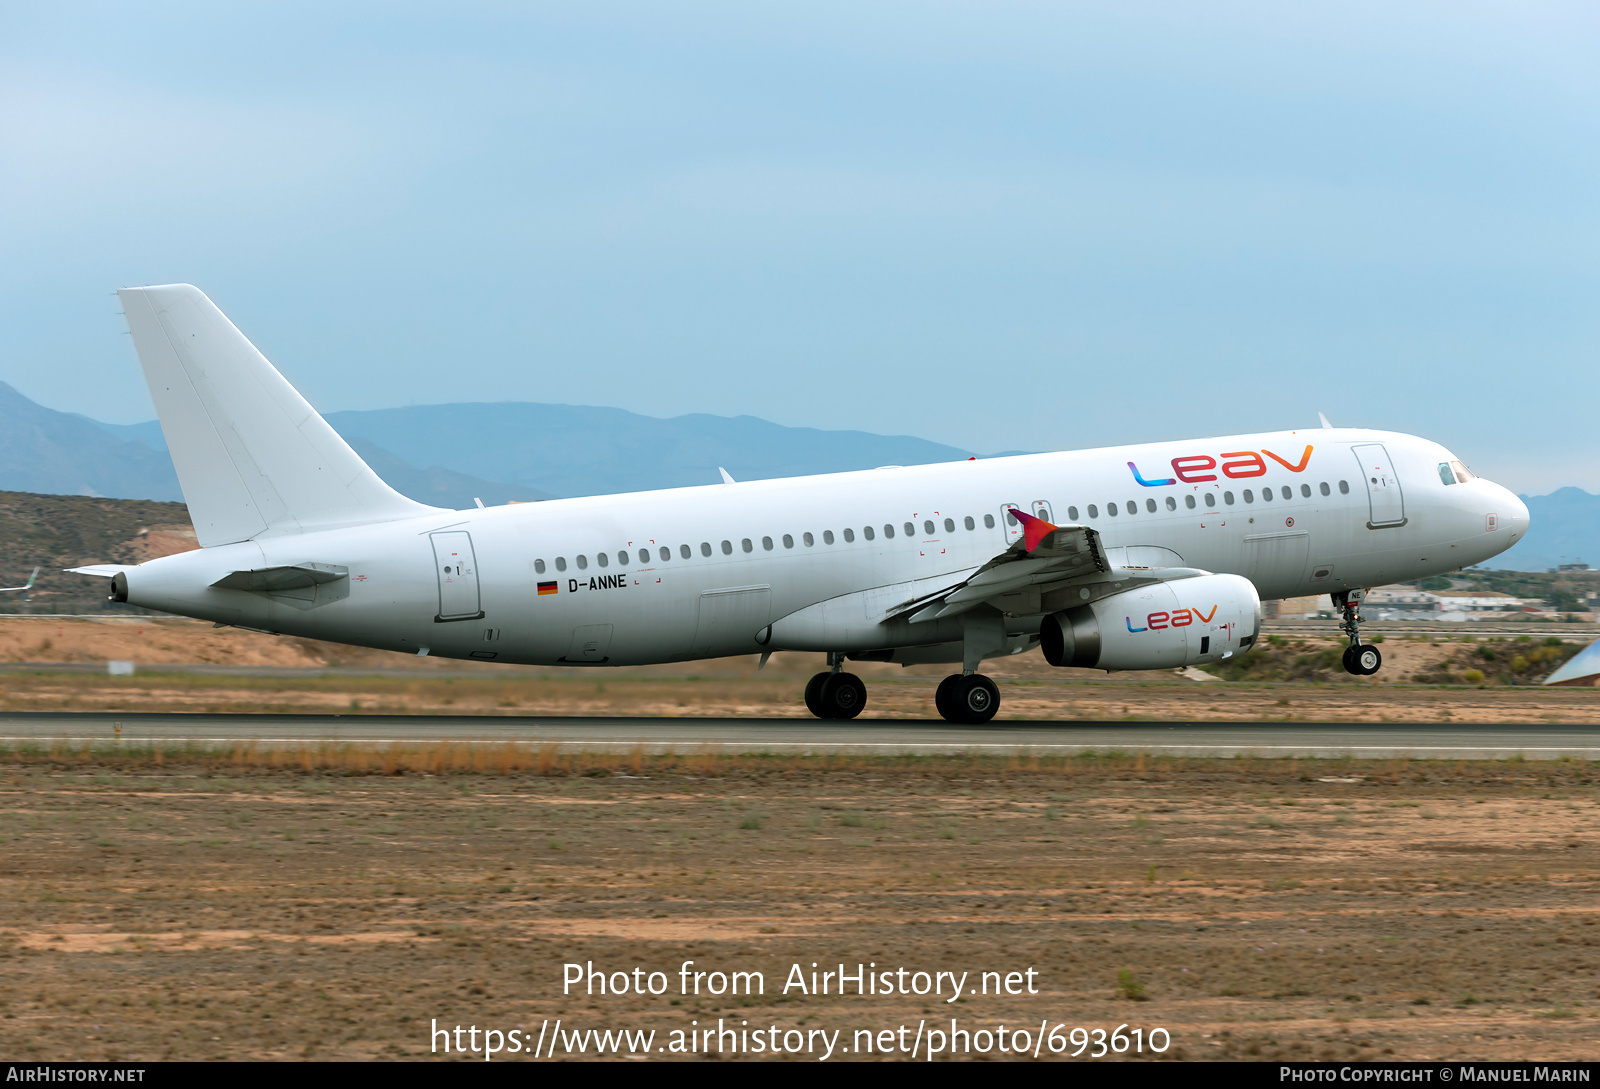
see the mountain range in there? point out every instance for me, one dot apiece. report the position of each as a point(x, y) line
point(494, 452)
point(525, 452)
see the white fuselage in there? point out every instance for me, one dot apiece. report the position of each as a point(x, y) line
point(624, 592)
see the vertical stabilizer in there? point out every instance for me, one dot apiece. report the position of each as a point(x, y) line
point(254, 459)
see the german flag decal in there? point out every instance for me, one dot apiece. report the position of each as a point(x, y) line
point(547, 588)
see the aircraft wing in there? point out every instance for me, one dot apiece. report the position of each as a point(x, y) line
point(1045, 558)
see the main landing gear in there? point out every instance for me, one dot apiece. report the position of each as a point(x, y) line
point(968, 698)
point(835, 695)
point(1361, 659)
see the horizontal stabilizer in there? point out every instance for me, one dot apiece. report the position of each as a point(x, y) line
point(101, 570)
point(277, 580)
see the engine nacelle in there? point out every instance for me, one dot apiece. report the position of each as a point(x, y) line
point(1160, 626)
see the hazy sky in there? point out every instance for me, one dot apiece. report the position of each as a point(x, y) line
point(1001, 226)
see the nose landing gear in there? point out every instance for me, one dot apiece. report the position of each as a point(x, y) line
point(1361, 659)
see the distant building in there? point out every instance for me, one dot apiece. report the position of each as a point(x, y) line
point(1478, 601)
point(1401, 602)
point(1568, 567)
point(1297, 607)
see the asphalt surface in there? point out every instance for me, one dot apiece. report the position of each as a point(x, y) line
point(1455, 741)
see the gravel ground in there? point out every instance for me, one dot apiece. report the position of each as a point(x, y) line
point(1251, 909)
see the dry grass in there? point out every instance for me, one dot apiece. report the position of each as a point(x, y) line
point(1287, 678)
point(327, 901)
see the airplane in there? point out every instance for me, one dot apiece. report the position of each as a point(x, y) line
point(1153, 556)
point(26, 587)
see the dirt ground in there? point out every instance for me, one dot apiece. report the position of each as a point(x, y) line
point(223, 907)
point(363, 681)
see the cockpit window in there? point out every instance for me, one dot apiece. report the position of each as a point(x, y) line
point(1445, 474)
point(1463, 474)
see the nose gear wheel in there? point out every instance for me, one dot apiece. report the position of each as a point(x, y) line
point(1360, 659)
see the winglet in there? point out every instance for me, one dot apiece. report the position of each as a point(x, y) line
point(1034, 529)
point(1326, 426)
point(29, 586)
point(726, 479)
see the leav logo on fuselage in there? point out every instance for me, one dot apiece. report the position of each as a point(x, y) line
point(1198, 468)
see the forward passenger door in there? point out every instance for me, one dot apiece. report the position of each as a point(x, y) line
point(1388, 506)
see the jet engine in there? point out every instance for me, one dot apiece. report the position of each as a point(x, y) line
point(1160, 626)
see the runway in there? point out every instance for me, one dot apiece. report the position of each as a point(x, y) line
point(1453, 741)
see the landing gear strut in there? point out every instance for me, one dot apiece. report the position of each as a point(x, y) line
point(1361, 659)
point(969, 698)
point(835, 694)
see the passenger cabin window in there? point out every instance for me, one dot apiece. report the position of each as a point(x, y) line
point(766, 544)
point(927, 527)
point(1150, 505)
point(1094, 512)
point(1188, 501)
point(746, 545)
point(666, 553)
point(1072, 515)
point(705, 548)
point(1344, 487)
point(1133, 508)
point(988, 521)
point(685, 551)
point(1211, 499)
point(727, 548)
point(1227, 498)
point(866, 531)
point(561, 563)
point(911, 529)
point(808, 539)
point(970, 524)
point(827, 536)
point(644, 555)
point(788, 540)
point(949, 525)
point(888, 532)
point(1111, 509)
point(1266, 495)
point(849, 536)
point(1305, 491)
point(583, 563)
point(538, 567)
point(1172, 504)
point(1324, 487)
point(605, 561)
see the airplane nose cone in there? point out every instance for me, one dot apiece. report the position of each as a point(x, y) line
point(1513, 514)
